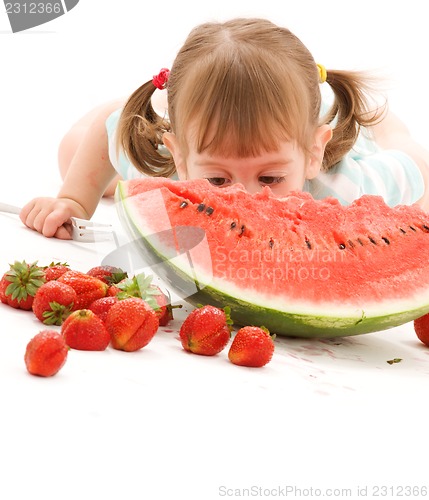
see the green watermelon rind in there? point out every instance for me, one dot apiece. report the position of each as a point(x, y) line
point(289, 324)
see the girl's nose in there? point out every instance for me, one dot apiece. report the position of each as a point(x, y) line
point(250, 186)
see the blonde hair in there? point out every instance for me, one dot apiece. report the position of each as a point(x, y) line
point(245, 85)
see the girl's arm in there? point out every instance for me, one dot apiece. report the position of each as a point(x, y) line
point(391, 133)
point(87, 177)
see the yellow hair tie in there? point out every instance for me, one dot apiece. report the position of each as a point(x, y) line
point(322, 73)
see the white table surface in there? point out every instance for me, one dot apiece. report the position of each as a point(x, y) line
point(163, 424)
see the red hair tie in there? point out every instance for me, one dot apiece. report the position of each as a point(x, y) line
point(160, 80)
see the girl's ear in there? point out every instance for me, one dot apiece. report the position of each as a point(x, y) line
point(321, 139)
point(172, 144)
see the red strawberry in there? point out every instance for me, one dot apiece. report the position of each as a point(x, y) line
point(20, 283)
point(141, 286)
point(113, 290)
point(88, 288)
point(109, 274)
point(102, 306)
point(252, 346)
point(132, 323)
point(46, 353)
point(206, 330)
point(85, 331)
point(55, 270)
point(164, 309)
point(53, 302)
point(7, 299)
point(421, 327)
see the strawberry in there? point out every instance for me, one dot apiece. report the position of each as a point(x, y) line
point(113, 290)
point(164, 309)
point(102, 306)
point(109, 274)
point(85, 331)
point(55, 270)
point(88, 288)
point(7, 299)
point(20, 283)
point(252, 346)
point(132, 323)
point(46, 353)
point(206, 330)
point(53, 302)
point(421, 327)
point(141, 286)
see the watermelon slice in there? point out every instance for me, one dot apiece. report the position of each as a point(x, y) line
point(300, 267)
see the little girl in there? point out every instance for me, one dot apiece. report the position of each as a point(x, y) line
point(244, 105)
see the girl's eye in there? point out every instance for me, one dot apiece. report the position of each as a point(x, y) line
point(268, 180)
point(218, 181)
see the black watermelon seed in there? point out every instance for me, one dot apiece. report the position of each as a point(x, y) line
point(233, 225)
point(412, 228)
point(271, 243)
point(201, 207)
point(307, 242)
point(209, 210)
point(350, 242)
point(385, 240)
point(360, 242)
point(372, 240)
point(242, 228)
point(184, 204)
point(402, 231)
point(341, 246)
point(425, 228)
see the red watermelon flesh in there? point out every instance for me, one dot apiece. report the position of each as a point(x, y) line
point(350, 269)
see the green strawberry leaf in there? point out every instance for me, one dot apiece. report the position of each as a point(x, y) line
point(229, 321)
point(57, 314)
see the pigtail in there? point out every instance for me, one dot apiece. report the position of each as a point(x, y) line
point(351, 110)
point(140, 131)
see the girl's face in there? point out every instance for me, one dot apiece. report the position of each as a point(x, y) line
point(283, 170)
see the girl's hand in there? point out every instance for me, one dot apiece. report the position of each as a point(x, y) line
point(51, 216)
point(88, 175)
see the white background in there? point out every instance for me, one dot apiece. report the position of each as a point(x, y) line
point(256, 428)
